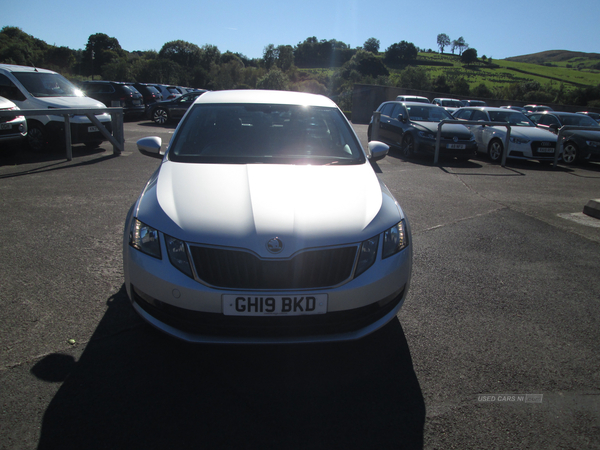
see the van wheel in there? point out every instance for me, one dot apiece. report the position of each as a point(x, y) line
point(36, 137)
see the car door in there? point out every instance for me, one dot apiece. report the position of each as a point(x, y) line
point(396, 126)
point(385, 120)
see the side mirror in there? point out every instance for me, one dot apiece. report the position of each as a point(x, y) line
point(553, 127)
point(378, 150)
point(151, 146)
point(401, 118)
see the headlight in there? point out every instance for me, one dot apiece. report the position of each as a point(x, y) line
point(426, 135)
point(595, 144)
point(178, 255)
point(394, 239)
point(368, 254)
point(515, 140)
point(144, 238)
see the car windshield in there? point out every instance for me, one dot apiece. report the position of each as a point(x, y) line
point(579, 121)
point(41, 84)
point(265, 134)
point(513, 118)
point(451, 103)
point(428, 114)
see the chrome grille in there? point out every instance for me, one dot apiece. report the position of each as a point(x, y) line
point(236, 269)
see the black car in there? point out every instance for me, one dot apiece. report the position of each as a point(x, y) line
point(115, 93)
point(163, 112)
point(578, 145)
point(149, 93)
point(412, 127)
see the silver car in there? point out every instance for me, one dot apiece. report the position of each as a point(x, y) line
point(264, 223)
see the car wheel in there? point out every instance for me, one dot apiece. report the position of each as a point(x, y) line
point(495, 149)
point(408, 146)
point(569, 153)
point(160, 116)
point(36, 137)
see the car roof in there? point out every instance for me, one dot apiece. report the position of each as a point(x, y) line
point(486, 108)
point(15, 68)
point(266, 97)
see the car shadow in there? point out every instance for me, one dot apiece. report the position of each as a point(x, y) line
point(133, 387)
point(55, 153)
point(171, 124)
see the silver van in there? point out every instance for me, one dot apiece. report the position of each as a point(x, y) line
point(35, 88)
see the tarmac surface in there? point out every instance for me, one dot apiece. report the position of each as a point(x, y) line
point(495, 347)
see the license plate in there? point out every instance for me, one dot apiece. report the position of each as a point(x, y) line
point(456, 146)
point(545, 150)
point(93, 129)
point(274, 305)
point(5, 126)
point(137, 102)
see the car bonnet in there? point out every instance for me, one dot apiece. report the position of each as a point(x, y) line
point(241, 205)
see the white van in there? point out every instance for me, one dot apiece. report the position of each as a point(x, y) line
point(34, 88)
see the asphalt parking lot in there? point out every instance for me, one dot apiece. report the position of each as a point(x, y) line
point(495, 347)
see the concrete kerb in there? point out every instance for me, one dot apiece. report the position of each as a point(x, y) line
point(592, 208)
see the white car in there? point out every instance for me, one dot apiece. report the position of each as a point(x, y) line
point(266, 222)
point(36, 88)
point(526, 140)
point(449, 104)
point(13, 130)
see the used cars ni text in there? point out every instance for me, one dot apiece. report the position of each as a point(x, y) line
point(412, 127)
point(265, 222)
point(526, 140)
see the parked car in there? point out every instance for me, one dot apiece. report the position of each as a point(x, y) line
point(412, 98)
point(163, 112)
point(593, 115)
point(116, 93)
point(536, 108)
point(412, 127)
point(149, 93)
point(168, 92)
point(13, 130)
point(526, 140)
point(516, 108)
point(449, 104)
point(578, 145)
point(264, 223)
point(473, 103)
point(37, 88)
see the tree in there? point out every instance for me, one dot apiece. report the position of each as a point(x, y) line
point(371, 45)
point(443, 41)
point(100, 50)
point(274, 79)
point(269, 56)
point(469, 56)
point(460, 44)
point(186, 54)
point(400, 52)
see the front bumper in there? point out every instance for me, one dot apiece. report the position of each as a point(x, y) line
point(192, 311)
point(428, 147)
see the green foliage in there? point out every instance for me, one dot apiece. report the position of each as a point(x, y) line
point(443, 41)
point(274, 79)
point(469, 56)
point(371, 45)
point(401, 52)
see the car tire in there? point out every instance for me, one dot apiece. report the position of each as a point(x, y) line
point(408, 146)
point(495, 150)
point(570, 153)
point(37, 138)
point(160, 116)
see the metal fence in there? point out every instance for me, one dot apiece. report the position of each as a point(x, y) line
point(117, 138)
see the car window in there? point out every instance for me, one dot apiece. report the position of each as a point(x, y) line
point(9, 90)
point(547, 119)
point(398, 109)
point(583, 121)
point(40, 84)
point(387, 109)
point(464, 114)
point(513, 118)
point(480, 116)
point(422, 113)
point(265, 134)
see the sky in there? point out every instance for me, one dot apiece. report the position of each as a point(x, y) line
point(495, 29)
